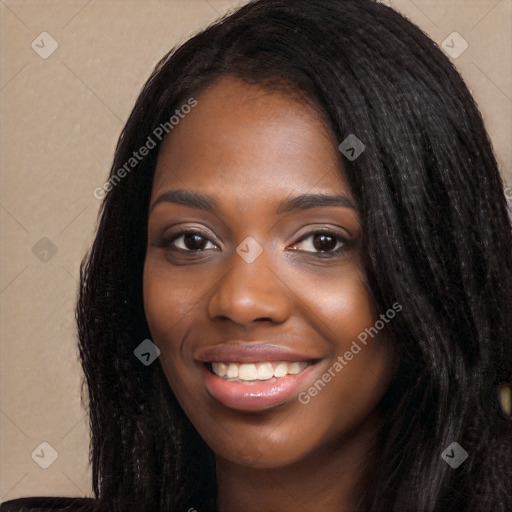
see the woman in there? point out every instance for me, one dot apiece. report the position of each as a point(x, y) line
point(299, 293)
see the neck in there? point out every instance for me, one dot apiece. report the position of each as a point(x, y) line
point(332, 478)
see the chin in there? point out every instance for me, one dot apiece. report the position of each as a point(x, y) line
point(268, 457)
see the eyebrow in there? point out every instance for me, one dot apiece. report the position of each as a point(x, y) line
point(208, 203)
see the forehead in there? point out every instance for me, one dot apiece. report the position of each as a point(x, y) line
point(242, 137)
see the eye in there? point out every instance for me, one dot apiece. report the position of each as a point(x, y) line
point(187, 241)
point(323, 242)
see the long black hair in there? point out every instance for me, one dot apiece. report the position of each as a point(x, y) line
point(437, 239)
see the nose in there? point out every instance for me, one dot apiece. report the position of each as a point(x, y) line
point(250, 292)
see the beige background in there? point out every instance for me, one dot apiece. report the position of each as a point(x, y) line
point(61, 117)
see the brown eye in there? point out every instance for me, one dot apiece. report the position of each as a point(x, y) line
point(187, 241)
point(323, 243)
point(194, 242)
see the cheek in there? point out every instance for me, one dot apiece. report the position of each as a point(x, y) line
point(166, 306)
point(346, 307)
point(173, 306)
point(337, 305)
point(166, 301)
point(361, 356)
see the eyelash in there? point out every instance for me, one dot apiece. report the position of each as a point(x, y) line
point(168, 241)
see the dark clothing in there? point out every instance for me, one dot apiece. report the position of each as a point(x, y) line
point(47, 504)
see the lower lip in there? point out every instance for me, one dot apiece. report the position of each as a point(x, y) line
point(256, 395)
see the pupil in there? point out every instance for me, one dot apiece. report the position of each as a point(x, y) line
point(193, 241)
point(326, 242)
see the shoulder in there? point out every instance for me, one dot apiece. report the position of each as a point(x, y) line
point(48, 504)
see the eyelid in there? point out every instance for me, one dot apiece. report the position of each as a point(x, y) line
point(325, 229)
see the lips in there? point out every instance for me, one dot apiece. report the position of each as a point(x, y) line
point(254, 352)
point(253, 376)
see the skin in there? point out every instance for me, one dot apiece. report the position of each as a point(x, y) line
point(250, 148)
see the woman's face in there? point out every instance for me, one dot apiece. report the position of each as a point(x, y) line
point(253, 285)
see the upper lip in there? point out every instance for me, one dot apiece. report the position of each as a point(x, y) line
point(254, 352)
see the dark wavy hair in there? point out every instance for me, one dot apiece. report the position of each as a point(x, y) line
point(437, 239)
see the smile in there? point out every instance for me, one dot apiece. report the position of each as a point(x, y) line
point(254, 376)
point(250, 372)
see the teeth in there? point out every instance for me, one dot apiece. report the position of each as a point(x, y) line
point(265, 371)
point(247, 372)
point(281, 370)
point(257, 371)
point(295, 368)
point(232, 372)
point(221, 369)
